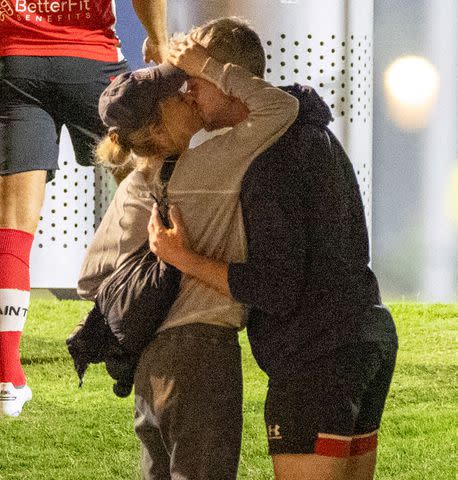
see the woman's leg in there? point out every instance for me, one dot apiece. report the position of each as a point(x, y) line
point(195, 379)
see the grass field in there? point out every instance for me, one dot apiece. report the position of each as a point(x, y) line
point(67, 433)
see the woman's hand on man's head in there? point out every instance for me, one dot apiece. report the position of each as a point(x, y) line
point(188, 55)
point(154, 52)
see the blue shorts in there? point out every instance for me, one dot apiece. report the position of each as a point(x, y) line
point(40, 94)
point(334, 405)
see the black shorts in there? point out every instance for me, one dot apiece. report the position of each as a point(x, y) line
point(334, 406)
point(40, 94)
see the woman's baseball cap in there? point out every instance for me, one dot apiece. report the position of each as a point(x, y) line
point(132, 99)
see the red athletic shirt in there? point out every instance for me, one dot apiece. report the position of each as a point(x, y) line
point(63, 28)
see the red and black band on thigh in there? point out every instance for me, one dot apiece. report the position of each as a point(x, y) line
point(334, 406)
point(328, 445)
point(38, 95)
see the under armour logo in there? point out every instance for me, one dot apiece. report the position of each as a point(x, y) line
point(5, 9)
point(273, 432)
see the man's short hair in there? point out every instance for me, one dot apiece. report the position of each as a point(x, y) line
point(232, 40)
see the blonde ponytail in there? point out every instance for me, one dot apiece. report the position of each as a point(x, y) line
point(113, 153)
point(115, 150)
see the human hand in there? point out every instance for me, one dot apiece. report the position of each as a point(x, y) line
point(153, 52)
point(169, 244)
point(188, 55)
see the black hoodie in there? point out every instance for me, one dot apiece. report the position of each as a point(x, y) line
point(306, 277)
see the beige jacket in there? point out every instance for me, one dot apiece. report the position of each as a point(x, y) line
point(205, 186)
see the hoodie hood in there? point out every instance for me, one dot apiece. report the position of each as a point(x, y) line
point(312, 109)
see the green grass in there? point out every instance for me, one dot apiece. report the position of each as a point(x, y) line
point(67, 433)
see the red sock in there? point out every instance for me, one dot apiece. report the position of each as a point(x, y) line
point(15, 247)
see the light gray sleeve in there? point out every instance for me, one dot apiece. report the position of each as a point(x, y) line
point(271, 110)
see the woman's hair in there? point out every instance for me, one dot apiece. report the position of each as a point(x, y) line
point(115, 149)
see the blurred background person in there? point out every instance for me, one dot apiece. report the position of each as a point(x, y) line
point(55, 61)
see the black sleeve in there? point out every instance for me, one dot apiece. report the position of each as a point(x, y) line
point(272, 276)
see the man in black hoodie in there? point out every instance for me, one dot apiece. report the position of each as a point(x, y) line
point(316, 323)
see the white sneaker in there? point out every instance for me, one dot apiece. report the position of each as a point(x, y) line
point(12, 399)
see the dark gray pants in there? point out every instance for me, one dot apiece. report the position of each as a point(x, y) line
point(188, 399)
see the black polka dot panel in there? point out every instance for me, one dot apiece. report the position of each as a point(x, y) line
point(340, 70)
point(68, 198)
point(76, 200)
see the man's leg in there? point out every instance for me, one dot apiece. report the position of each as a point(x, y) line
point(29, 148)
point(313, 467)
point(361, 467)
point(322, 425)
point(21, 199)
point(81, 116)
point(309, 467)
point(363, 453)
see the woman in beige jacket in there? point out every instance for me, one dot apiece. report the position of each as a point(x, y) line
point(188, 382)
